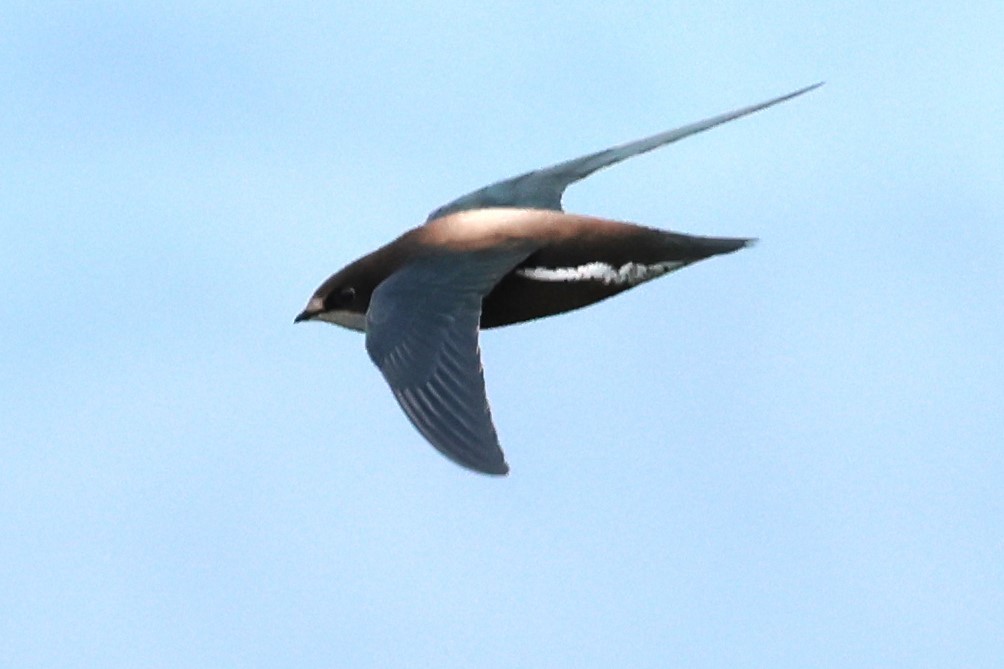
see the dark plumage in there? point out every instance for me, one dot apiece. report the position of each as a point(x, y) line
point(500, 255)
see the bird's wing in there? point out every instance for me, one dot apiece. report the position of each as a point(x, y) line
point(422, 332)
point(543, 188)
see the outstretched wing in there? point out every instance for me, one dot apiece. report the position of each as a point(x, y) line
point(422, 332)
point(543, 188)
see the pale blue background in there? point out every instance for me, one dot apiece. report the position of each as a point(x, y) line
point(788, 457)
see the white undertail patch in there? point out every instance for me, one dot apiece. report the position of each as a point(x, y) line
point(630, 274)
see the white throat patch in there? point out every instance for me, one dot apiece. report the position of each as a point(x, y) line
point(630, 274)
point(347, 319)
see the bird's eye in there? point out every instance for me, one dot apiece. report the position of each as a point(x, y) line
point(346, 295)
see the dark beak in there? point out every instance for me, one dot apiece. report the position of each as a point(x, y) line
point(314, 307)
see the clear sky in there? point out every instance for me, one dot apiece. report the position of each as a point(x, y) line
point(786, 457)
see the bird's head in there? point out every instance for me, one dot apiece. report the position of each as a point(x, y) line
point(343, 300)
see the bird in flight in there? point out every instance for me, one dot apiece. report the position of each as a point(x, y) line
point(500, 255)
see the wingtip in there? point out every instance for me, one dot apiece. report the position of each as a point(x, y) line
point(793, 94)
point(500, 469)
point(493, 470)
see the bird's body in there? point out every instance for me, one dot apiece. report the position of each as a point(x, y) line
point(570, 261)
point(501, 255)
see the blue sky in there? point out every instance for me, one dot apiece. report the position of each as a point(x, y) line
point(788, 457)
